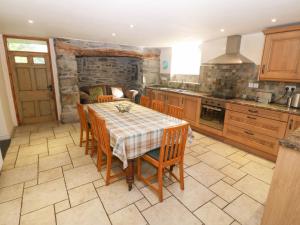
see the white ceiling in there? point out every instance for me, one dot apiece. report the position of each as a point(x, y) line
point(157, 22)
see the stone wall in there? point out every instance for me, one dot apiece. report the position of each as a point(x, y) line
point(69, 52)
point(123, 71)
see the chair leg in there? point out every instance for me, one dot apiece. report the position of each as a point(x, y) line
point(160, 183)
point(181, 176)
point(99, 160)
point(108, 168)
point(139, 168)
point(81, 137)
point(87, 136)
point(171, 170)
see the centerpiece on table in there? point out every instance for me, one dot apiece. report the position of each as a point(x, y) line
point(123, 107)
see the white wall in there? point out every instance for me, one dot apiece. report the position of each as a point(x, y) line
point(6, 120)
point(251, 47)
point(165, 55)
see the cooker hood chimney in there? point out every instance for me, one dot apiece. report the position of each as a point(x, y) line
point(232, 55)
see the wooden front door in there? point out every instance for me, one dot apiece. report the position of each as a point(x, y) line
point(32, 83)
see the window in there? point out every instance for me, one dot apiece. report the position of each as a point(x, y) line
point(14, 44)
point(38, 60)
point(21, 59)
point(186, 59)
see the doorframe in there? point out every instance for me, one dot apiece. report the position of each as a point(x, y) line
point(5, 36)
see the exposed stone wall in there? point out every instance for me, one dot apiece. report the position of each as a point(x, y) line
point(68, 53)
point(123, 71)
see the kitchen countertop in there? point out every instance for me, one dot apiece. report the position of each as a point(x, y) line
point(292, 140)
point(275, 107)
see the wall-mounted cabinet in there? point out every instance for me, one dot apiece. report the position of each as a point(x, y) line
point(281, 55)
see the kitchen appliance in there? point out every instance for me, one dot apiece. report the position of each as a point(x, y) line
point(295, 103)
point(232, 54)
point(212, 113)
point(264, 97)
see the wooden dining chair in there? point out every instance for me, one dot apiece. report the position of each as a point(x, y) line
point(104, 147)
point(157, 106)
point(145, 101)
point(94, 136)
point(84, 127)
point(175, 111)
point(169, 154)
point(105, 98)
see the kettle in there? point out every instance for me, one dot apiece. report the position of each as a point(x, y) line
point(295, 103)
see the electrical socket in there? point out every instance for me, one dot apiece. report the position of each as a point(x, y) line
point(290, 87)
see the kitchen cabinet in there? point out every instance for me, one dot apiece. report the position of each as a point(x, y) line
point(191, 108)
point(174, 99)
point(256, 111)
point(282, 205)
point(273, 128)
point(293, 124)
point(257, 128)
point(252, 139)
point(281, 55)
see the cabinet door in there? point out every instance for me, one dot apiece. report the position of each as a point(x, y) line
point(281, 57)
point(293, 124)
point(191, 106)
point(174, 99)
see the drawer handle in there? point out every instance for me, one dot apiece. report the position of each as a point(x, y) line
point(247, 132)
point(250, 117)
point(252, 110)
point(291, 124)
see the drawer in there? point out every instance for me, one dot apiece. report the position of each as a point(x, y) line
point(273, 128)
point(271, 114)
point(252, 139)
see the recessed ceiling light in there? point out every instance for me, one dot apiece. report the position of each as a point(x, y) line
point(274, 20)
point(113, 34)
point(131, 26)
point(222, 30)
point(30, 21)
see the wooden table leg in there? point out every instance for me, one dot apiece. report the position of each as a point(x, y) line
point(130, 173)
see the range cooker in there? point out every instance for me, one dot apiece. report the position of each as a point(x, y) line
point(212, 112)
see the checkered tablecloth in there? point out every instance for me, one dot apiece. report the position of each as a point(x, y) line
point(134, 133)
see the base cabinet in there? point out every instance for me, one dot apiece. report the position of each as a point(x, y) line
point(191, 106)
point(282, 205)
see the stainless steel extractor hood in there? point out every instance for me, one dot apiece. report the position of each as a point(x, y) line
point(232, 55)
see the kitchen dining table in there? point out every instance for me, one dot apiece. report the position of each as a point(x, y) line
point(134, 133)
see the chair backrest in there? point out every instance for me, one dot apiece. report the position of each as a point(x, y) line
point(82, 116)
point(105, 98)
point(175, 111)
point(145, 101)
point(103, 136)
point(92, 117)
point(158, 105)
point(173, 144)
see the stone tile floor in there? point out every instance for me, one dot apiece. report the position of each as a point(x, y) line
point(47, 179)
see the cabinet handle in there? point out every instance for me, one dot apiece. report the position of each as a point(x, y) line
point(182, 101)
point(291, 124)
point(252, 110)
point(250, 117)
point(263, 69)
point(248, 132)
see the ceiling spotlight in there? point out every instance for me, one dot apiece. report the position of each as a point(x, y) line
point(30, 21)
point(113, 34)
point(131, 26)
point(274, 20)
point(222, 30)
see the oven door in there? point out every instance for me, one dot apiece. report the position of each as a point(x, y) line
point(212, 116)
